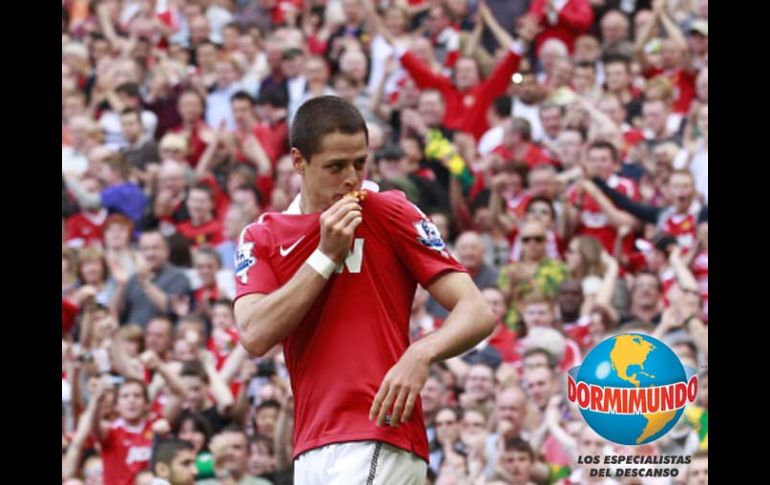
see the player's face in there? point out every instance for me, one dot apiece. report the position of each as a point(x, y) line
point(337, 169)
point(183, 469)
point(131, 402)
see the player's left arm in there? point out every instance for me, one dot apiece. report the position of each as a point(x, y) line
point(469, 321)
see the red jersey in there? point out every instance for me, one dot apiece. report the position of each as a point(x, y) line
point(85, 229)
point(684, 227)
point(126, 451)
point(358, 327)
point(209, 233)
point(594, 222)
point(503, 340)
point(684, 86)
point(465, 110)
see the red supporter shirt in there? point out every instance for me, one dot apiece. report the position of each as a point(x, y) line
point(684, 227)
point(465, 111)
point(503, 340)
point(84, 229)
point(126, 451)
point(594, 222)
point(533, 157)
point(209, 233)
point(573, 19)
point(358, 327)
point(684, 86)
point(195, 144)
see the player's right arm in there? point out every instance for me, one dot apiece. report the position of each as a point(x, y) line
point(267, 319)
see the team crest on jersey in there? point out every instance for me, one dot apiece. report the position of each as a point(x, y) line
point(243, 261)
point(428, 235)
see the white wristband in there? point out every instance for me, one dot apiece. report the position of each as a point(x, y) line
point(322, 264)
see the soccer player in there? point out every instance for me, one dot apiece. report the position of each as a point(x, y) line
point(333, 278)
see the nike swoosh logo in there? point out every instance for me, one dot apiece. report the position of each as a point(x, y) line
point(285, 252)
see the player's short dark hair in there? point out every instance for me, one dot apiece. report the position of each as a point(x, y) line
point(516, 443)
point(604, 145)
point(166, 450)
point(269, 404)
point(321, 116)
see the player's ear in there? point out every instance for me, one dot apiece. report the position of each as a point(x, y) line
point(298, 161)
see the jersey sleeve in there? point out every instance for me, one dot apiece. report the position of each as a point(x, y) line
point(417, 241)
point(253, 272)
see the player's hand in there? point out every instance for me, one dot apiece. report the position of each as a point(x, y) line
point(400, 388)
point(338, 224)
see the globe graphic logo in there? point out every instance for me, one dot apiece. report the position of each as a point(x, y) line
point(632, 388)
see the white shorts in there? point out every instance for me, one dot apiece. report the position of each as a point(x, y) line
point(359, 463)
